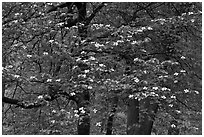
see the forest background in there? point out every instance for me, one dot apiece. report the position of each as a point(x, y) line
point(97, 68)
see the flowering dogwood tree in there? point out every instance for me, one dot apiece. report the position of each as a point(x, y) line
point(101, 68)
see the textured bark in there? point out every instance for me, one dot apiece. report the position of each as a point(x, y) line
point(111, 116)
point(148, 111)
point(133, 117)
point(83, 125)
point(140, 116)
point(81, 19)
point(110, 124)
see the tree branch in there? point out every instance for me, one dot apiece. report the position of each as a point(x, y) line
point(189, 107)
point(88, 20)
point(23, 104)
point(62, 5)
point(39, 103)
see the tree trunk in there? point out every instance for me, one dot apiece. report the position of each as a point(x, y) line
point(111, 116)
point(140, 116)
point(84, 114)
point(133, 117)
point(84, 124)
point(148, 110)
point(81, 6)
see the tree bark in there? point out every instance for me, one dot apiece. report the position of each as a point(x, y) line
point(111, 116)
point(148, 110)
point(133, 117)
point(83, 125)
point(140, 116)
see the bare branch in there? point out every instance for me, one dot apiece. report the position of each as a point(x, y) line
point(187, 106)
point(88, 20)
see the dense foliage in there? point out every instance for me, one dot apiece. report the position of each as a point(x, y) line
point(101, 68)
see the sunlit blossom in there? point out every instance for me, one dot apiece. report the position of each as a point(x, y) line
point(52, 121)
point(76, 115)
point(130, 96)
point(173, 97)
point(49, 80)
point(86, 71)
point(163, 97)
point(182, 57)
point(145, 88)
point(58, 80)
point(173, 126)
point(95, 110)
point(155, 88)
point(45, 53)
point(171, 105)
point(29, 56)
point(54, 111)
point(90, 87)
point(83, 111)
point(76, 111)
point(178, 111)
point(92, 58)
point(98, 124)
point(136, 80)
point(186, 91)
point(40, 97)
point(72, 94)
point(164, 88)
point(182, 71)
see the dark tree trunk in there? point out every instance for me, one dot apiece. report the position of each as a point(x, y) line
point(148, 111)
point(81, 6)
point(111, 116)
point(140, 116)
point(133, 117)
point(84, 114)
point(84, 124)
point(110, 124)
